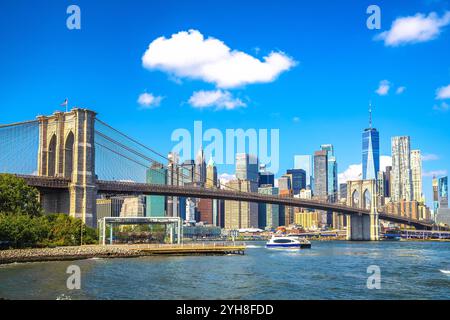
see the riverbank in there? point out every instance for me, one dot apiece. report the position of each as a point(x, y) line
point(114, 251)
point(65, 253)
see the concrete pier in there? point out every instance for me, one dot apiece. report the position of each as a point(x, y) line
point(117, 251)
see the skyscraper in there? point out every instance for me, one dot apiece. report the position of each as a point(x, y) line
point(247, 167)
point(443, 212)
point(332, 173)
point(109, 207)
point(321, 181)
point(370, 150)
point(240, 214)
point(133, 206)
point(298, 179)
point(209, 208)
point(265, 177)
point(381, 183)
point(243, 214)
point(387, 182)
point(156, 205)
point(268, 213)
point(188, 172)
point(211, 174)
point(416, 172)
point(305, 162)
point(285, 185)
point(401, 175)
point(187, 178)
point(321, 174)
point(443, 192)
point(343, 191)
point(200, 168)
point(435, 194)
point(173, 179)
point(205, 210)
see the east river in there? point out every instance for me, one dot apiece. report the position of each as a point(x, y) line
point(330, 270)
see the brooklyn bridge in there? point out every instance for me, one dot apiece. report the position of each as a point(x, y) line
point(73, 157)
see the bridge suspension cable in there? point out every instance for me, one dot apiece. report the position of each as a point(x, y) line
point(19, 143)
point(17, 124)
point(137, 153)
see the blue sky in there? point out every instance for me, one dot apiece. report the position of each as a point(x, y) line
point(321, 99)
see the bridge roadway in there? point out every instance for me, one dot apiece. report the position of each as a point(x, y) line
point(117, 187)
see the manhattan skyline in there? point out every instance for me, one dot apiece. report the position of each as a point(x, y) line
point(319, 96)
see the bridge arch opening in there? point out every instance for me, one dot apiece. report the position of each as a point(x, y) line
point(355, 199)
point(367, 200)
point(51, 160)
point(68, 155)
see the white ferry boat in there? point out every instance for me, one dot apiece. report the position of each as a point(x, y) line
point(288, 242)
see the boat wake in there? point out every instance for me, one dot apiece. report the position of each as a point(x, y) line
point(445, 272)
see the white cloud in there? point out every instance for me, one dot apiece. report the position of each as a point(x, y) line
point(296, 119)
point(435, 173)
point(354, 171)
point(441, 107)
point(414, 29)
point(383, 88)
point(430, 157)
point(216, 98)
point(443, 93)
point(385, 161)
point(148, 100)
point(187, 54)
point(224, 178)
point(400, 90)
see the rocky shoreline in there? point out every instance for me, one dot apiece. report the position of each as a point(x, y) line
point(66, 253)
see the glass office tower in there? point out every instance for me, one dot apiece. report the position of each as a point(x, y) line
point(370, 153)
point(247, 167)
point(265, 177)
point(156, 205)
point(305, 162)
point(332, 172)
point(370, 150)
point(298, 179)
point(443, 192)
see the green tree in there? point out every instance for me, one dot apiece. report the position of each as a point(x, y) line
point(23, 224)
point(21, 230)
point(66, 231)
point(16, 197)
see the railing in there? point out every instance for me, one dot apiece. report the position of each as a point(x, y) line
point(113, 186)
point(217, 245)
point(197, 191)
point(45, 182)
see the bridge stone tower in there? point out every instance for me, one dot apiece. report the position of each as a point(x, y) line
point(362, 194)
point(66, 150)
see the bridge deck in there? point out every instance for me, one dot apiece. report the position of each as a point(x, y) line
point(191, 249)
point(115, 187)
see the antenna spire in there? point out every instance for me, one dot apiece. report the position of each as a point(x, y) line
point(370, 114)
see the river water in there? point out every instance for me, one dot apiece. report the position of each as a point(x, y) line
point(330, 270)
